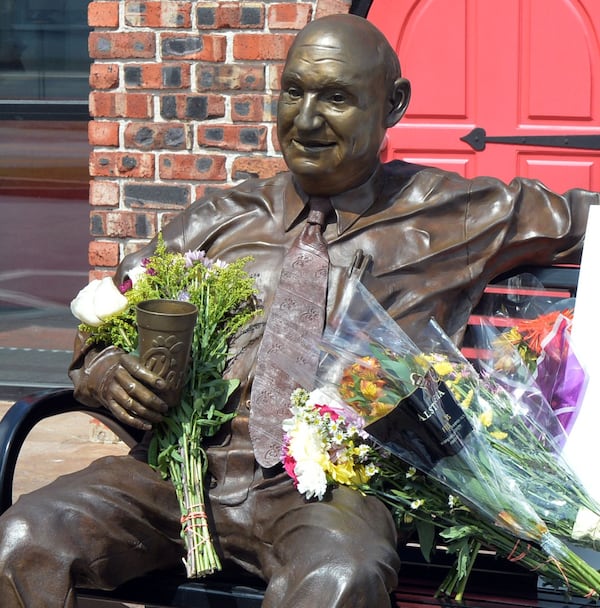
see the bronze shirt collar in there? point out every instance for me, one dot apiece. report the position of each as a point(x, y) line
point(348, 206)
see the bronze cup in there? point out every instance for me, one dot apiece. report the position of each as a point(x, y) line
point(165, 330)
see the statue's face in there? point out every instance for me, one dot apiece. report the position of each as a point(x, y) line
point(331, 112)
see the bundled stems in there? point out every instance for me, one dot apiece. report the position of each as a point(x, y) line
point(454, 584)
point(201, 556)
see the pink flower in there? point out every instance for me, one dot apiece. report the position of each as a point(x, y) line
point(144, 263)
point(289, 464)
point(326, 409)
point(336, 408)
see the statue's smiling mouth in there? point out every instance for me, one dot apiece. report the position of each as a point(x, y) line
point(313, 145)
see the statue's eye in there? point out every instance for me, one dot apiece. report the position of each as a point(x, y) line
point(294, 92)
point(337, 97)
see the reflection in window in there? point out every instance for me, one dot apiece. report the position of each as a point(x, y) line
point(43, 50)
point(44, 150)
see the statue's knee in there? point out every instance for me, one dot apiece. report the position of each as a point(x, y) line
point(16, 534)
point(341, 583)
point(363, 570)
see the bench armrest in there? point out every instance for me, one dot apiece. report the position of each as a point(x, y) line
point(22, 417)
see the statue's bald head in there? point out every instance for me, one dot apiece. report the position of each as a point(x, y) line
point(341, 89)
point(362, 42)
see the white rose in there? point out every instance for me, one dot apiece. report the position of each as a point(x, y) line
point(97, 301)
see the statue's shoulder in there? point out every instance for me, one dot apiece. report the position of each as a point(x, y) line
point(251, 185)
point(401, 170)
point(402, 178)
point(399, 173)
point(242, 195)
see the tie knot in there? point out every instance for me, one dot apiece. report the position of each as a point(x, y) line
point(319, 210)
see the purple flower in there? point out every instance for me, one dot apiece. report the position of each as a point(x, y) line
point(191, 257)
point(144, 264)
point(126, 285)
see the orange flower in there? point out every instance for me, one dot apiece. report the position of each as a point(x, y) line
point(363, 377)
point(346, 389)
point(534, 331)
point(372, 363)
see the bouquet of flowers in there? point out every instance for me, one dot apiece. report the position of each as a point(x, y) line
point(524, 431)
point(528, 324)
point(223, 295)
point(384, 423)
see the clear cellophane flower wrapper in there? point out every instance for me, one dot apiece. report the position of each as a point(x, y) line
point(523, 429)
point(379, 372)
point(535, 325)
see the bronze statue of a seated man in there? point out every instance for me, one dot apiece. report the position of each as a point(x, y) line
point(435, 240)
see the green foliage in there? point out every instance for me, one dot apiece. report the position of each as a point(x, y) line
point(420, 502)
point(225, 297)
point(165, 277)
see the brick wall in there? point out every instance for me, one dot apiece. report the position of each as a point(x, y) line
point(183, 100)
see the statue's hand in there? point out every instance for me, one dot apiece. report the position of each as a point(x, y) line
point(129, 393)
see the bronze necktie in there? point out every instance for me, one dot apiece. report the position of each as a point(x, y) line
point(288, 354)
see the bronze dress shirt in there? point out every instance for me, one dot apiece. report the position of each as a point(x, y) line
point(436, 240)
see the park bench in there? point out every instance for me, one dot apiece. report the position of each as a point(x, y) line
point(494, 583)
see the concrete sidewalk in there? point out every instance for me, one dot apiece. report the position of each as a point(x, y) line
point(35, 352)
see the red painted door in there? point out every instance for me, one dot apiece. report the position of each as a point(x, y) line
point(514, 68)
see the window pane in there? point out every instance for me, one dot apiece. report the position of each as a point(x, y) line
point(44, 236)
point(44, 151)
point(43, 49)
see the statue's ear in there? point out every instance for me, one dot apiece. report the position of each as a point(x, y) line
point(399, 101)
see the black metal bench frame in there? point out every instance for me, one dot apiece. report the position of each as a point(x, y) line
point(495, 584)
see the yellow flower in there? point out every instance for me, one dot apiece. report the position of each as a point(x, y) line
point(466, 402)
point(423, 360)
point(371, 390)
point(443, 368)
point(486, 418)
point(512, 336)
point(500, 435)
point(362, 476)
point(505, 363)
point(342, 472)
point(379, 409)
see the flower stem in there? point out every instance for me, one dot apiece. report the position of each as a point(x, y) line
point(201, 558)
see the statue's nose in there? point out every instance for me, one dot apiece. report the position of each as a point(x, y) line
point(308, 117)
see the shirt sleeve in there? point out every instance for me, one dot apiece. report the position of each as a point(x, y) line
point(525, 223)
